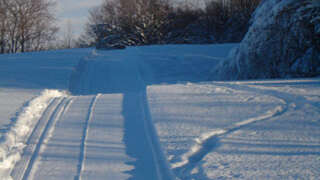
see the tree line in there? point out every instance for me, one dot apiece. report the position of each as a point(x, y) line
point(26, 25)
point(144, 22)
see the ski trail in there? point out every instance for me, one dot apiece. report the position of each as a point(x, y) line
point(142, 141)
point(161, 163)
point(47, 125)
point(147, 129)
point(82, 155)
point(12, 147)
point(22, 165)
point(208, 141)
point(65, 109)
point(37, 139)
point(119, 76)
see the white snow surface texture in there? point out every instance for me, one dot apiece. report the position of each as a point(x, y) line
point(149, 113)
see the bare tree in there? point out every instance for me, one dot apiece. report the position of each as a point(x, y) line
point(24, 23)
point(3, 25)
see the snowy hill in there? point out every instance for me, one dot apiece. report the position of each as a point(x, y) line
point(283, 41)
point(149, 113)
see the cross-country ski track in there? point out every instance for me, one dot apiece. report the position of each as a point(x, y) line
point(96, 135)
point(129, 119)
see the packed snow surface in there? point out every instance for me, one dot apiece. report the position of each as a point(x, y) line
point(242, 130)
point(150, 113)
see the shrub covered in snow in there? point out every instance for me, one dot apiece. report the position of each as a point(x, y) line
point(283, 41)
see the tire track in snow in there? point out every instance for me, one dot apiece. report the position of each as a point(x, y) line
point(83, 148)
point(208, 141)
point(37, 138)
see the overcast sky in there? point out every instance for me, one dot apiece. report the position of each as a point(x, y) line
point(75, 11)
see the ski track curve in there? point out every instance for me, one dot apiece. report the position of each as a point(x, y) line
point(210, 140)
point(290, 101)
point(35, 142)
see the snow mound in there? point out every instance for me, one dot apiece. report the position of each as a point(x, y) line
point(12, 145)
point(283, 41)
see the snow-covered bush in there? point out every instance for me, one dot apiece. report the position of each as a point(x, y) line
point(283, 41)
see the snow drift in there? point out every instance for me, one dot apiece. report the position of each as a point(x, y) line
point(13, 143)
point(283, 41)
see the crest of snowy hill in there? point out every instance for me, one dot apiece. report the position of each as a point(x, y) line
point(283, 41)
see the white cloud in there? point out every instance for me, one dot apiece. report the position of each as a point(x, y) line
point(76, 5)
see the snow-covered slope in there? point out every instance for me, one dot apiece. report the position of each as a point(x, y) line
point(283, 41)
point(23, 98)
point(148, 113)
point(24, 76)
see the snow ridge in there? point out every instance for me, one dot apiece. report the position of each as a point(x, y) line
point(208, 141)
point(13, 143)
point(162, 165)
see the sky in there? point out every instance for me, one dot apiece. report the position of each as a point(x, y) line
point(74, 11)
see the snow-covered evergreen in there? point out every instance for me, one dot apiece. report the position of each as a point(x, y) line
point(283, 41)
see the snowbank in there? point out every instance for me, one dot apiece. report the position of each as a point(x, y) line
point(283, 41)
point(11, 146)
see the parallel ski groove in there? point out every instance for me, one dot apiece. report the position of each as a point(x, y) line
point(83, 148)
point(47, 124)
point(54, 116)
point(21, 166)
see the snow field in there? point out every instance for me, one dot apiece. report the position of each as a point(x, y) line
point(286, 146)
point(12, 102)
point(197, 142)
point(24, 76)
point(147, 113)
